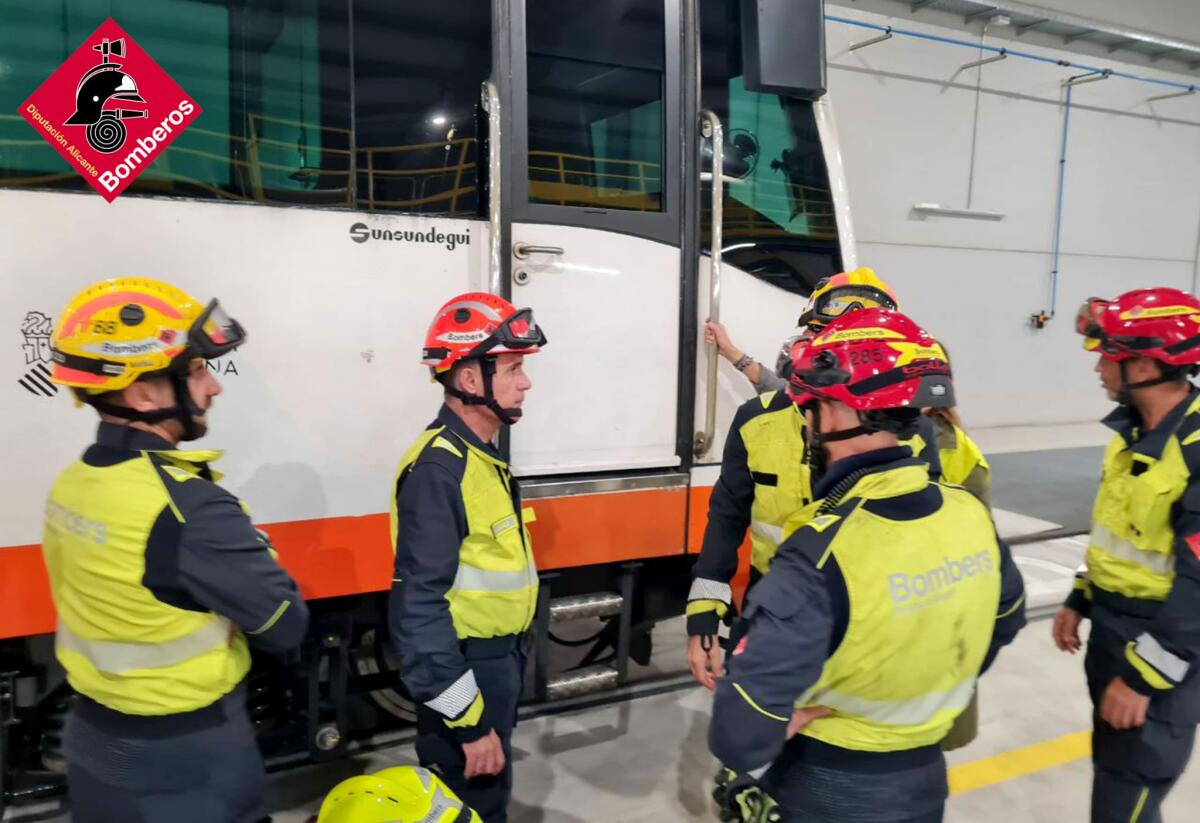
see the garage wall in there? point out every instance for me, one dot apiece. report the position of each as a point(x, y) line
point(1131, 208)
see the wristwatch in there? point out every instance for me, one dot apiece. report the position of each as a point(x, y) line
point(743, 363)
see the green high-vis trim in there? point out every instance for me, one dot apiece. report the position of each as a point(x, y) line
point(757, 707)
point(1148, 672)
point(1141, 804)
point(1015, 606)
point(283, 607)
point(706, 606)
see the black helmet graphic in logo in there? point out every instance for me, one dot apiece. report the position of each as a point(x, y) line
point(101, 98)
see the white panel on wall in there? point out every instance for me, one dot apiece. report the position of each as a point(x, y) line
point(978, 303)
point(889, 163)
point(1132, 188)
point(1016, 162)
point(1131, 206)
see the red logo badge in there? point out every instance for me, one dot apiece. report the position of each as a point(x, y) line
point(109, 110)
point(1193, 543)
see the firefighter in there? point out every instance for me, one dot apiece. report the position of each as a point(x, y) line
point(766, 473)
point(864, 641)
point(1141, 583)
point(401, 794)
point(962, 462)
point(465, 583)
point(831, 298)
point(160, 580)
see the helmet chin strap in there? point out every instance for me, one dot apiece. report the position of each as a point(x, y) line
point(487, 367)
point(818, 463)
point(818, 460)
point(185, 410)
point(1126, 389)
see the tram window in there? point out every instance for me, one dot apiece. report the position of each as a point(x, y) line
point(595, 95)
point(418, 69)
point(274, 80)
point(779, 220)
point(288, 102)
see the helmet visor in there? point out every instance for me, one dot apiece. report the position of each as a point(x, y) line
point(838, 301)
point(1087, 321)
point(519, 332)
point(215, 333)
point(788, 352)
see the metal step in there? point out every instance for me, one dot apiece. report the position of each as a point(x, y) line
point(600, 604)
point(582, 681)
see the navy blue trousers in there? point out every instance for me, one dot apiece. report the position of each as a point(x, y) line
point(814, 792)
point(204, 767)
point(1134, 769)
point(500, 682)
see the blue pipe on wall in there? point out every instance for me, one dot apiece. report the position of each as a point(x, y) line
point(995, 50)
point(1058, 209)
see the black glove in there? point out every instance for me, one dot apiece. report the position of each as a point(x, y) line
point(741, 799)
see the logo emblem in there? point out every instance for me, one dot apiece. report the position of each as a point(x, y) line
point(37, 328)
point(109, 110)
point(103, 99)
point(1193, 543)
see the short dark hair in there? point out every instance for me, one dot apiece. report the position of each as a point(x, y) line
point(447, 378)
point(87, 398)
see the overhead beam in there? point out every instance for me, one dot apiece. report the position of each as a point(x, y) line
point(1030, 26)
point(1083, 35)
point(920, 4)
point(984, 12)
point(1028, 9)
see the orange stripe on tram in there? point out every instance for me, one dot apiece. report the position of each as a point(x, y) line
point(337, 556)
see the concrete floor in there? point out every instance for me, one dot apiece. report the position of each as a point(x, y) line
point(647, 760)
point(1060, 485)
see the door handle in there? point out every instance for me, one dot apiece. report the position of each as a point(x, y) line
point(491, 104)
point(712, 127)
point(523, 250)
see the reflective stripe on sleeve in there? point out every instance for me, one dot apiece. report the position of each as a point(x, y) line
point(457, 697)
point(704, 589)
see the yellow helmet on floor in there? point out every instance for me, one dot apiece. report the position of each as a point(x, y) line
point(850, 290)
point(401, 794)
point(116, 331)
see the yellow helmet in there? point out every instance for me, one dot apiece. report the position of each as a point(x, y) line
point(850, 290)
point(116, 331)
point(401, 794)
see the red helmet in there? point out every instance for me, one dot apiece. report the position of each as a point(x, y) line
point(479, 324)
point(871, 360)
point(1162, 324)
